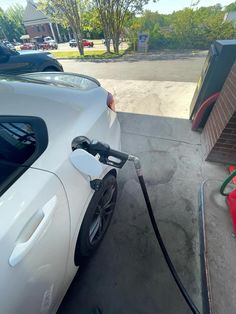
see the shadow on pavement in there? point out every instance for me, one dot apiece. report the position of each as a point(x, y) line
point(150, 56)
point(128, 275)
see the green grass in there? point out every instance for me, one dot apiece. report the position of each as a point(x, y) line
point(97, 54)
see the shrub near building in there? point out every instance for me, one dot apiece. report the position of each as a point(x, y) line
point(188, 28)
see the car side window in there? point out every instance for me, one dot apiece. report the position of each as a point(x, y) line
point(22, 141)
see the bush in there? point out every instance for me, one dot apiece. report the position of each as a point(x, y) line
point(188, 28)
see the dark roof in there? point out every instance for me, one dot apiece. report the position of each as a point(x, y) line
point(33, 15)
point(230, 16)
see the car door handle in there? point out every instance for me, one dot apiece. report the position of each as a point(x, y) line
point(22, 249)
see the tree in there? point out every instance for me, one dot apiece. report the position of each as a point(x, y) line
point(103, 9)
point(187, 28)
point(67, 12)
point(230, 7)
point(91, 22)
point(11, 24)
point(14, 16)
point(3, 25)
point(113, 15)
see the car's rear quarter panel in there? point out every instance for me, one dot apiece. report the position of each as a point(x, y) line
point(68, 114)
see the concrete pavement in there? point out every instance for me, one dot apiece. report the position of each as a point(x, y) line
point(128, 274)
point(218, 251)
point(165, 98)
point(162, 86)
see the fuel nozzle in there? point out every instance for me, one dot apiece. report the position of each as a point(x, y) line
point(80, 142)
point(107, 155)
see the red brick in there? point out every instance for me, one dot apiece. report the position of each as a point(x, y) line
point(219, 133)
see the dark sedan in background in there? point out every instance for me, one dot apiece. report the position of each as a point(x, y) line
point(14, 62)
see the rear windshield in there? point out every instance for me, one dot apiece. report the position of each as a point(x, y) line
point(64, 80)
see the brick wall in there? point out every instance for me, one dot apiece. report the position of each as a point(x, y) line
point(41, 30)
point(219, 134)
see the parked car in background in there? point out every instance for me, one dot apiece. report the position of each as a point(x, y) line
point(86, 43)
point(17, 62)
point(49, 45)
point(47, 39)
point(27, 46)
point(8, 45)
point(72, 43)
point(51, 217)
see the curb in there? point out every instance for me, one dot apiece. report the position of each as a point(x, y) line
point(96, 60)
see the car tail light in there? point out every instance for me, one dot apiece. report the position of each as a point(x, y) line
point(111, 102)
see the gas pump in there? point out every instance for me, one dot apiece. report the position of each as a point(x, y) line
point(220, 58)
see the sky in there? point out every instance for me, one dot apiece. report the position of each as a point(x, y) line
point(168, 6)
point(162, 6)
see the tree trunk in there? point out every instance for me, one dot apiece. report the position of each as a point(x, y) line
point(116, 42)
point(108, 44)
point(80, 47)
point(78, 39)
point(107, 38)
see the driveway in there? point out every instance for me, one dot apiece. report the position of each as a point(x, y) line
point(156, 84)
point(128, 273)
point(164, 66)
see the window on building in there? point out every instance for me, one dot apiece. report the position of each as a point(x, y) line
point(43, 28)
point(38, 28)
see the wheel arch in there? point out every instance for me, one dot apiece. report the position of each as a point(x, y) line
point(50, 68)
point(112, 172)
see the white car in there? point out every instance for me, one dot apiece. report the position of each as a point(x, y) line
point(51, 217)
point(47, 39)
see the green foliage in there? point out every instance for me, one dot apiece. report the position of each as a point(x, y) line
point(11, 23)
point(91, 23)
point(188, 28)
point(114, 15)
point(67, 13)
point(230, 7)
point(93, 54)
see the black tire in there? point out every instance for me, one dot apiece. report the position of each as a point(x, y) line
point(94, 228)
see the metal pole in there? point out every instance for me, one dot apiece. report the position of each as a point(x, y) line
point(52, 30)
point(58, 33)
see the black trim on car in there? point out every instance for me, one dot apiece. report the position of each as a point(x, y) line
point(41, 137)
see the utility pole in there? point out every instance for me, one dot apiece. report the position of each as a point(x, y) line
point(52, 30)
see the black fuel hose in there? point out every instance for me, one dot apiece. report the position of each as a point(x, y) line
point(179, 283)
point(104, 150)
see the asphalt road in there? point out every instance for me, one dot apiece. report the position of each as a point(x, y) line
point(180, 68)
